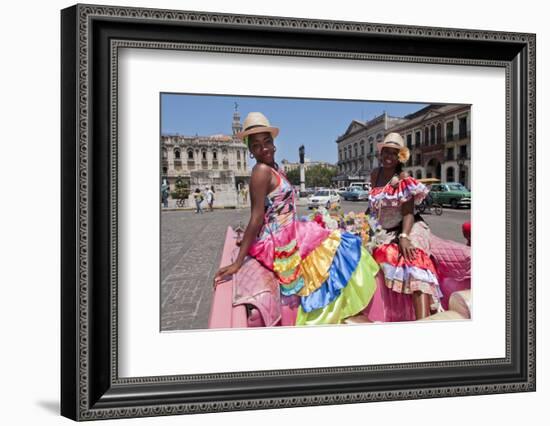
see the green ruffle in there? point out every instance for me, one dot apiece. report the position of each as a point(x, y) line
point(354, 297)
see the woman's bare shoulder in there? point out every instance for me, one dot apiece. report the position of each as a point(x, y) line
point(261, 169)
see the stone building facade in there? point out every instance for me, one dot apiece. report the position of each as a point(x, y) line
point(287, 166)
point(357, 154)
point(438, 137)
point(218, 160)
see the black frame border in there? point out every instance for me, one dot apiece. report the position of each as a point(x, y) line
point(90, 387)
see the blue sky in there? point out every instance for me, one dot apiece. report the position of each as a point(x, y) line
point(314, 123)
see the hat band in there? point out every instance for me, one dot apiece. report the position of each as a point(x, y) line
point(254, 126)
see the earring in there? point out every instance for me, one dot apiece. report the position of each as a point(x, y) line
point(274, 148)
point(250, 155)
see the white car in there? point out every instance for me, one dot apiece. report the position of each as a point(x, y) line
point(324, 198)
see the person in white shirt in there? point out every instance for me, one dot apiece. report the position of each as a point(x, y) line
point(210, 198)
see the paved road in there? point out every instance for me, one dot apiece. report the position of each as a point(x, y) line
point(191, 247)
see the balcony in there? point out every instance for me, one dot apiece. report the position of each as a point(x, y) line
point(458, 137)
point(204, 164)
point(190, 164)
point(433, 148)
point(463, 135)
point(215, 165)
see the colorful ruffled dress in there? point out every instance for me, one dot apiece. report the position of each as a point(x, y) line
point(401, 275)
point(328, 270)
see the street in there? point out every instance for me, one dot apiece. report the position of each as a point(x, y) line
point(191, 247)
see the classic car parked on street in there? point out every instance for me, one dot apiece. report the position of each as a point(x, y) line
point(355, 193)
point(325, 198)
point(452, 193)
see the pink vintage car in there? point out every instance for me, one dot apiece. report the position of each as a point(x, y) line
point(251, 298)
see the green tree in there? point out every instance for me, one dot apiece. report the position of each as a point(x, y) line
point(320, 176)
point(293, 176)
point(181, 191)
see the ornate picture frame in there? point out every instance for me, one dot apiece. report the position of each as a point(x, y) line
point(91, 386)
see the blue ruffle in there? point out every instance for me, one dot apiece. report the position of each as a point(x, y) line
point(343, 265)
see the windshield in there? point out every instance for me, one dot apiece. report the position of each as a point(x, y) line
point(321, 194)
point(457, 187)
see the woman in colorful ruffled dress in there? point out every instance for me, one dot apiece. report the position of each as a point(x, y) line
point(327, 271)
point(405, 254)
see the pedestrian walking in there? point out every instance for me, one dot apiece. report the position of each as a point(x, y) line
point(197, 195)
point(209, 193)
point(164, 188)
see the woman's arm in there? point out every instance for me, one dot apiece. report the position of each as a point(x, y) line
point(260, 185)
point(407, 249)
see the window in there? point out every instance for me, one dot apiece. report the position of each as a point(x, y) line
point(450, 154)
point(417, 162)
point(177, 154)
point(463, 151)
point(462, 132)
point(439, 133)
point(238, 155)
point(204, 155)
point(190, 154)
point(215, 155)
point(449, 132)
point(432, 135)
point(418, 138)
point(355, 150)
point(164, 170)
point(426, 136)
point(362, 148)
point(409, 141)
point(164, 154)
point(450, 174)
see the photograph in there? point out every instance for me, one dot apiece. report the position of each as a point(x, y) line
point(236, 184)
point(308, 212)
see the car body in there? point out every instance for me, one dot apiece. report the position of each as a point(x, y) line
point(366, 186)
point(355, 193)
point(342, 190)
point(323, 198)
point(451, 193)
point(250, 297)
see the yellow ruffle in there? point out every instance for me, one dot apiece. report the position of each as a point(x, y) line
point(316, 266)
point(287, 264)
point(354, 297)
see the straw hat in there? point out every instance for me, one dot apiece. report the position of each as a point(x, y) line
point(256, 122)
point(396, 141)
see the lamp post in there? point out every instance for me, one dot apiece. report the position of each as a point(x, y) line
point(302, 152)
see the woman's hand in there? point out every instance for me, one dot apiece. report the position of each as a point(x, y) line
point(407, 249)
point(226, 271)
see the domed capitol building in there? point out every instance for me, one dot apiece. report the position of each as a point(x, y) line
point(204, 161)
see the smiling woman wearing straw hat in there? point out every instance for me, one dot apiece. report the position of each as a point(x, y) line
point(404, 257)
point(326, 271)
